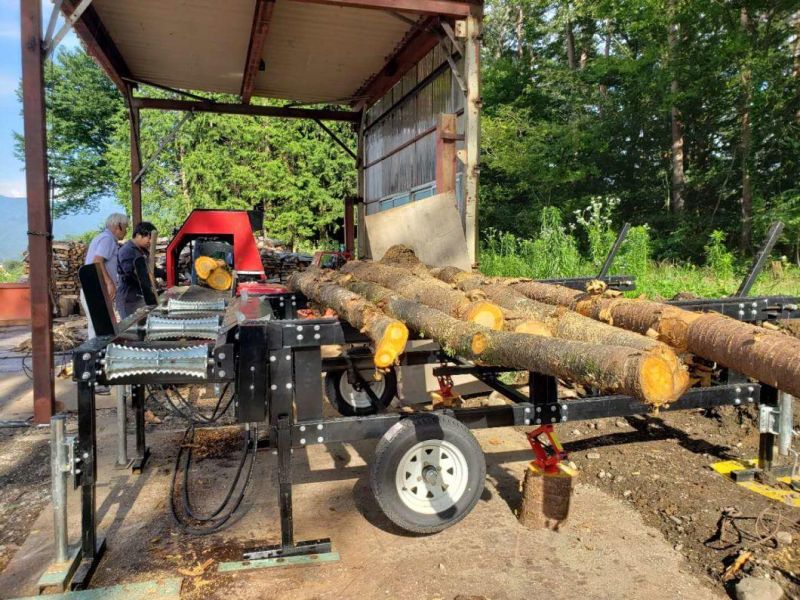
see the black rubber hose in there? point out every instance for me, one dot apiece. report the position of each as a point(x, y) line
point(222, 515)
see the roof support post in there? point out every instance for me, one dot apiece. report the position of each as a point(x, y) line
point(446, 153)
point(39, 225)
point(472, 129)
point(361, 227)
point(349, 225)
point(136, 158)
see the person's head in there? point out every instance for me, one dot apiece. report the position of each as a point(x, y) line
point(141, 234)
point(117, 224)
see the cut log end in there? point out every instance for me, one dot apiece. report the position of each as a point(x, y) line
point(534, 328)
point(220, 279)
point(479, 343)
point(659, 382)
point(391, 344)
point(204, 265)
point(487, 314)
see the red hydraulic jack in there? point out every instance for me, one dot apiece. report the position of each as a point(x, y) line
point(549, 454)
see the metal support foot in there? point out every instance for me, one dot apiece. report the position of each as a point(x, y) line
point(142, 451)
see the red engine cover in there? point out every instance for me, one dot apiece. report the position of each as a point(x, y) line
point(234, 223)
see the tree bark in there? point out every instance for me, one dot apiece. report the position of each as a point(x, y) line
point(454, 303)
point(677, 200)
point(570, 44)
point(562, 322)
point(746, 144)
point(611, 369)
point(389, 335)
point(768, 356)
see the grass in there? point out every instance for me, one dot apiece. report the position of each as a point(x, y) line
point(555, 253)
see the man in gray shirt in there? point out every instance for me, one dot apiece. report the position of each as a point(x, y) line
point(103, 250)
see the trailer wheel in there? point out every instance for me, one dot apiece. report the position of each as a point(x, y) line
point(353, 399)
point(428, 473)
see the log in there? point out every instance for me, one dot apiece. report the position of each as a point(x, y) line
point(768, 356)
point(561, 321)
point(389, 335)
point(546, 319)
point(613, 369)
point(452, 302)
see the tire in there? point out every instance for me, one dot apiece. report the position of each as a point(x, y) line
point(350, 402)
point(427, 506)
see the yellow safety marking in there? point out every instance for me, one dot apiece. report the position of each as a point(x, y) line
point(790, 497)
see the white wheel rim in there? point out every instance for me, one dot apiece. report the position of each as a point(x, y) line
point(360, 398)
point(432, 476)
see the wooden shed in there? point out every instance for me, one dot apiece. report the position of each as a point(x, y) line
point(404, 72)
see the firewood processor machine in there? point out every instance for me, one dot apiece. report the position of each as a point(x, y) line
point(428, 470)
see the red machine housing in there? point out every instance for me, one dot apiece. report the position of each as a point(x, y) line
point(232, 225)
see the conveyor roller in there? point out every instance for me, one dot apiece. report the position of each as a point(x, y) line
point(160, 327)
point(125, 361)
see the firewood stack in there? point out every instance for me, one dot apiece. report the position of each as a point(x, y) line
point(68, 257)
point(597, 340)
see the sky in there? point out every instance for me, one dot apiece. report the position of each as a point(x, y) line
point(12, 176)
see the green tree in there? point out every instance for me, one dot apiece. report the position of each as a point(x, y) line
point(290, 167)
point(83, 112)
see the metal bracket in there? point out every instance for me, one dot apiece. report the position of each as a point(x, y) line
point(454, 68)
point(73, 462)
point(452, 35)
point(163, 144)
point(769, 419)
point(50, 43)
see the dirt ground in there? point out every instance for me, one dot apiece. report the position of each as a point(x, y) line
point(643, 520)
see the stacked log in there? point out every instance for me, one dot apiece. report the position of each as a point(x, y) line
point(771, 357)
point(609, 343)
point(67, 258)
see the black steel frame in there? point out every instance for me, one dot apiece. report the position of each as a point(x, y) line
point(276, 367)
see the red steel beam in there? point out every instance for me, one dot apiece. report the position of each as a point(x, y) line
point(417, 43)
point(136, 157)
point(258, 35)
point(444, 8)
point(39, 225)
point(90, 29)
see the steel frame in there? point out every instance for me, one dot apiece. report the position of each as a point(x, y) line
point(287, 394)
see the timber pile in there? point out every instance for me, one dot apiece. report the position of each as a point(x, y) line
point(67, 258)
point(600, 340)
point(475, 326)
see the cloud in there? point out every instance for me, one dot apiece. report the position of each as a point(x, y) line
point(14, 188)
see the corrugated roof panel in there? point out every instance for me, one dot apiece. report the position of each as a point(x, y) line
point(313, 53)
point(191, 44)
point(325, 53)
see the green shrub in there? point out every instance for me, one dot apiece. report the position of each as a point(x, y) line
point(718, 259)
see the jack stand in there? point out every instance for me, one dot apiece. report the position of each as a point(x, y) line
point(288, 552)
point(142, 451)
point(445, 398)
point(774, 422)
point(548, 456)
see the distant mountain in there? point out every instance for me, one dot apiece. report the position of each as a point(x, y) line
point(15, 224)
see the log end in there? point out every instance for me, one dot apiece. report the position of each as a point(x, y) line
point(203, 266)
point(534, 328)
point(479, 343)
point(391, 344)
point(487, 314)
point(660, 382)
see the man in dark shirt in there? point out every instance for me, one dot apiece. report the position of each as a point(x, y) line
point(129, 295)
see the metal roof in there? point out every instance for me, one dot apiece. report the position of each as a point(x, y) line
point(312, 52)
